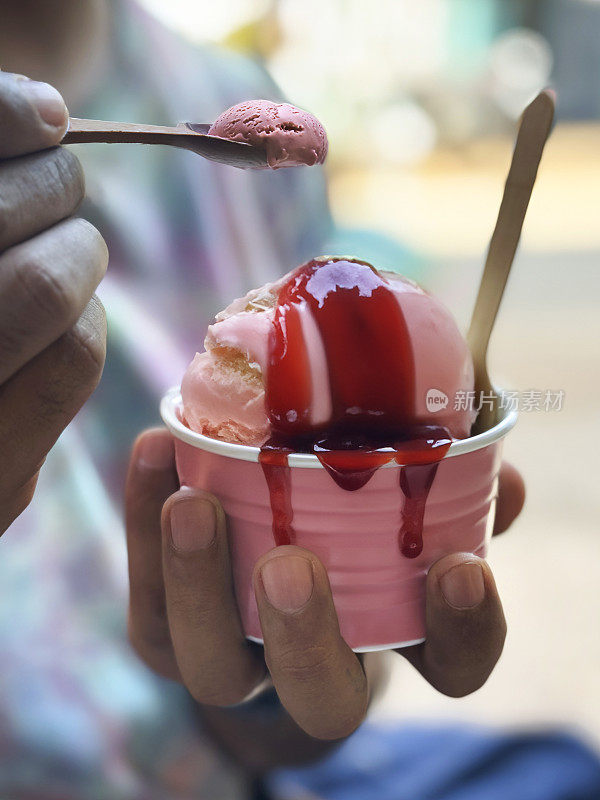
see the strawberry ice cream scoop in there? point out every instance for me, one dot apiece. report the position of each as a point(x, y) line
point(290, 136)
point(361, 345)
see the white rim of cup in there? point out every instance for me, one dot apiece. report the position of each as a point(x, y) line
point(171, 402)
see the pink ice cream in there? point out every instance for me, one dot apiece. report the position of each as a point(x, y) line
point(223, 390)
point(290, 136)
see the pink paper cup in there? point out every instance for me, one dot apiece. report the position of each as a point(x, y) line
point(379, 594)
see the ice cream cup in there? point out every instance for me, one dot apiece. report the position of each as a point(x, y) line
point(379, 593)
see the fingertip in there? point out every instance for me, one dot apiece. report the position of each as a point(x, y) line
point(282, 563)
point(463, 581)
point(33, 115)
point(511, 497)
point(154, 449)
point(447, 563)
point(287, 582)
point(463, 586)
point(281, 551)
point(85, 235)
point(191, 496)
point(195, 493)
point(49, 105)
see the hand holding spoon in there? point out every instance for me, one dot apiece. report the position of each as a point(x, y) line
point(531, 138)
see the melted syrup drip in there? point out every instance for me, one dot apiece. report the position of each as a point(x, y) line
point(415, 483)
point(274, 461)
point(371, 421)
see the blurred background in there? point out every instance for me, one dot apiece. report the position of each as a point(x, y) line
point(421, 101)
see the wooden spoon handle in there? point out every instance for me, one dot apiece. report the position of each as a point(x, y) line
point(187, 135)
point(96, 130)
point(531, 138)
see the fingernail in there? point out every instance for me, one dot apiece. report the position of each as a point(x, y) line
point(288, 582)
point(48, 102)
point(193, 524)
point(155, 452)
point(463, 586)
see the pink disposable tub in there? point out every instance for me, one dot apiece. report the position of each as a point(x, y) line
point(379, 593)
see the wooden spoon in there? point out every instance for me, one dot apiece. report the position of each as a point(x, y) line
point(531, 138)
point(188, 135)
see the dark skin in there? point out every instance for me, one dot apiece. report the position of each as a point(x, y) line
point(50, 261)
point(52, 328)
point(183, 621)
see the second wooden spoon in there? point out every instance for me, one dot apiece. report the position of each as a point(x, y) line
point(536, 123)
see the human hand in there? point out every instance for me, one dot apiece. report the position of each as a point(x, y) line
point(184, 623)
point(52, 327)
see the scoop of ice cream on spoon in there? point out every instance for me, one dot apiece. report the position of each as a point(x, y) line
point(254, 135)
point(290, 136)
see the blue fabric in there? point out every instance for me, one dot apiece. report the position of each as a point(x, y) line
point(418, 762)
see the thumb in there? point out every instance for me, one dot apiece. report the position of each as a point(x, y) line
point(33, 115)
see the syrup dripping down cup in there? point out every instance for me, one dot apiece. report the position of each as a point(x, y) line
point(378, 592)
